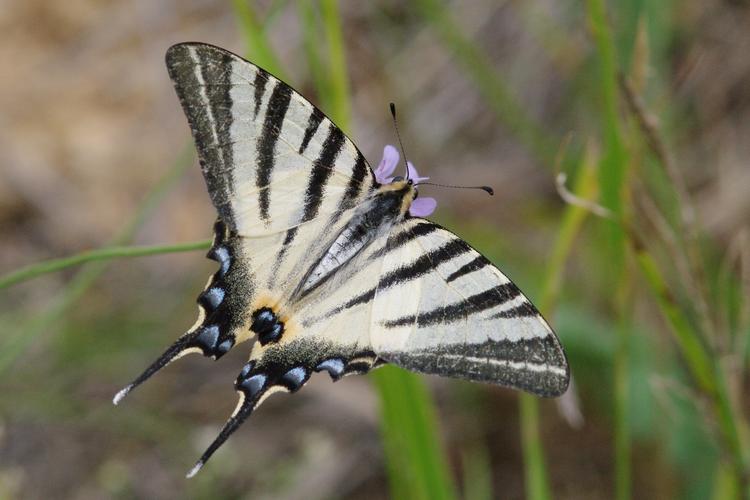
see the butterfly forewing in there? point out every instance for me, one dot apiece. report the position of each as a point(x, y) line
point(271, 159)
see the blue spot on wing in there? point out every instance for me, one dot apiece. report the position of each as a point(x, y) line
point(254, 384)
point(334, 367)
point(215, 296)
point(295, 377)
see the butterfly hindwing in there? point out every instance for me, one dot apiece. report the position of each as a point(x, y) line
point(443, 308)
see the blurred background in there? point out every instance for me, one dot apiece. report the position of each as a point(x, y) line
point(640, 259)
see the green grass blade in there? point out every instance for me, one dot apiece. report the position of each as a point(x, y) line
point(585, 187)
point(479, 68)
point(535, 470)
point(14, 346)
point(310, 32)
point(612, 173)
point(339, 82)
point(691, 345)
point(614, 159)
point(258, 46)
point(477, 474)
point(416, 463)
point(105, 253)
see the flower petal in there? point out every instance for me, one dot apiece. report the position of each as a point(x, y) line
point(413, 174)
point(387, 164)
point(422, 207)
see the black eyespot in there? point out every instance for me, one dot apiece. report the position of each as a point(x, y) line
point(267, 325)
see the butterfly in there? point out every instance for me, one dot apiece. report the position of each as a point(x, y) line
point(329, 265)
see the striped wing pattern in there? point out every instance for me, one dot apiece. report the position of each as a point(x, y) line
point(255, 135)
point(443, 308)
point(323, 265)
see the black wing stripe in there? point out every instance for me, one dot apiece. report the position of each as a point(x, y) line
point(394, 241)
point(220, 103)
point(261, 79)
point(362, 298)
point(521, 311)
point(321, 171)
point(400, 239)
point(312, 126)
point(425, 263)
point(478, 263)
point(454, 312)
point(404, 237)
point(353, 188)
point(207, 109)
point(419, 267)
point(359, 172)
point(290, 235)
point(275, 112)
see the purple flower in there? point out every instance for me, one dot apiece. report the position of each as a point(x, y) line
point(387, 165)
point(421, 207)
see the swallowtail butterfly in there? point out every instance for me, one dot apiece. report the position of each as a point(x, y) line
point(326, 263)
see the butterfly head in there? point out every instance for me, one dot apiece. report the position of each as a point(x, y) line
point(417, 207)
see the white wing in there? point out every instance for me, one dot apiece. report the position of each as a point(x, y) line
point(270, 158)
point(443, 308)
point(282, 177)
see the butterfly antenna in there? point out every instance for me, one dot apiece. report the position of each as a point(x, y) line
point(486, 189)
point(401, 144)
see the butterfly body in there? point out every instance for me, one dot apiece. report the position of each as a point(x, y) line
point(323, 261)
